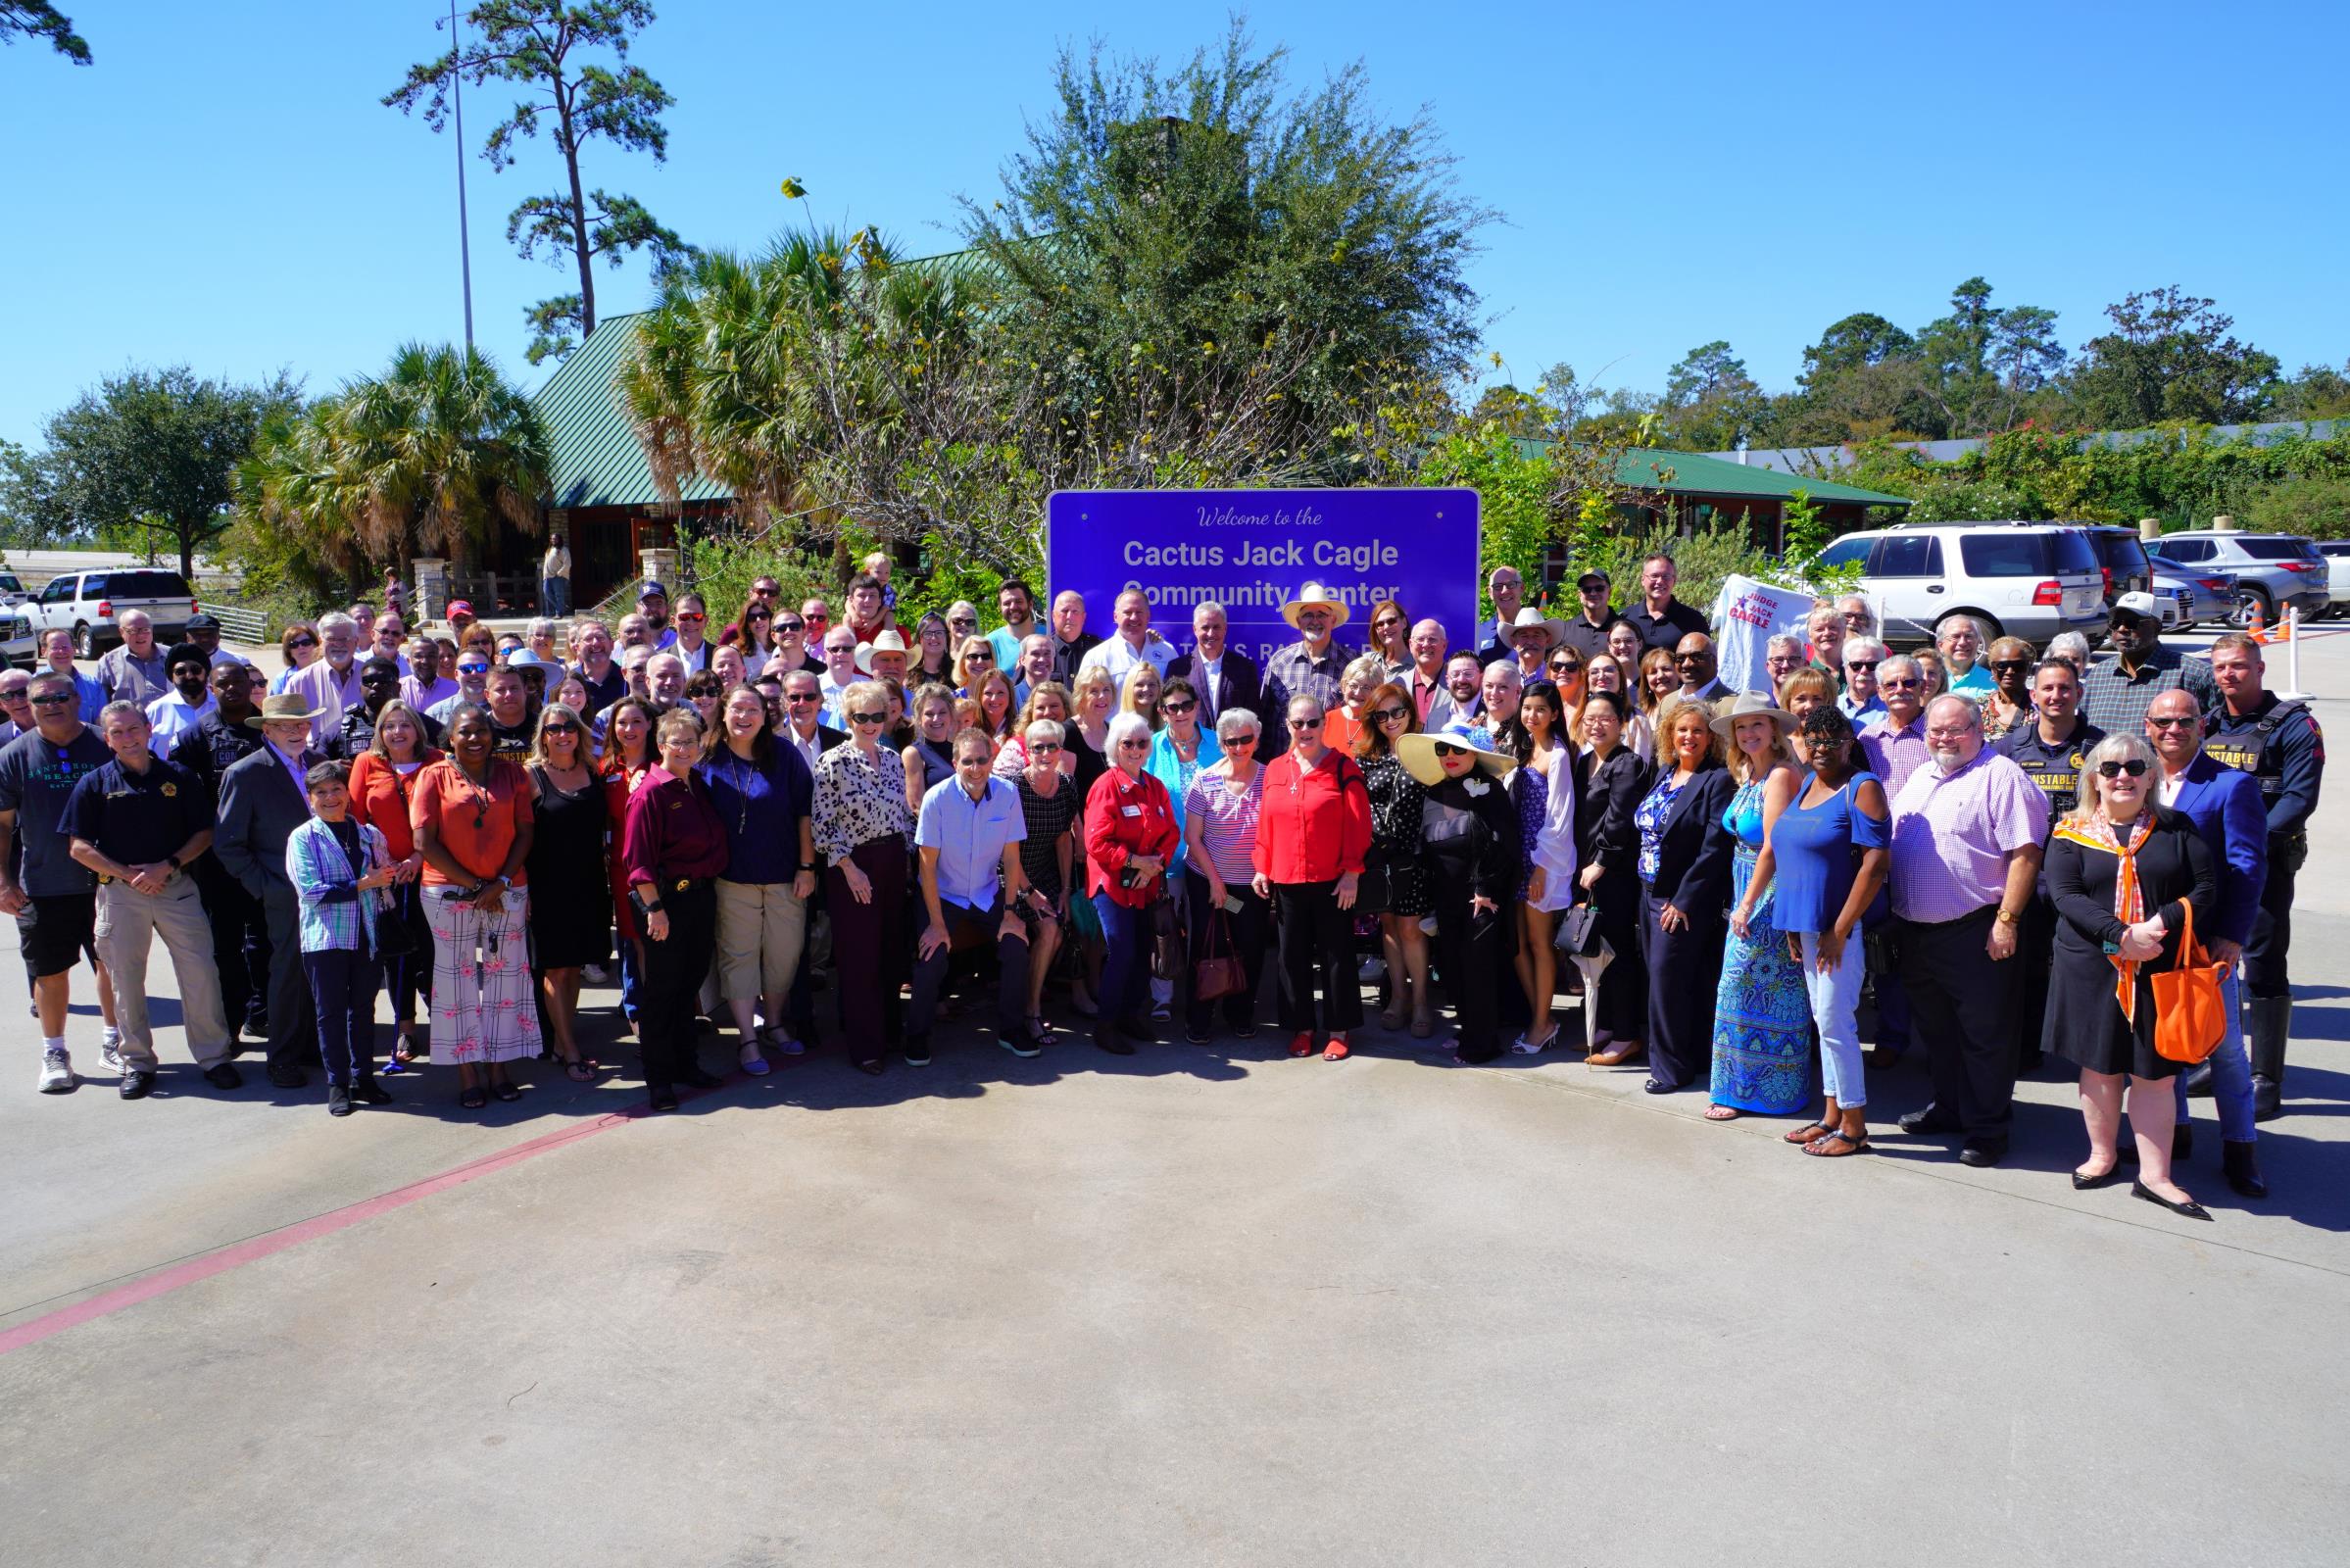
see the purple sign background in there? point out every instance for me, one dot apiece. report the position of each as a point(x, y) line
point(1253, 550)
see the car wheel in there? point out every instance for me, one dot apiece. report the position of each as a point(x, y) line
point(86, 646)
point(2251, 600)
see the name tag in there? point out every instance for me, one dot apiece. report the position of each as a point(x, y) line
point(1129, 810)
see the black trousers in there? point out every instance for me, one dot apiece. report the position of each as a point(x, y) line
point(1247, 928)
point(1012, 959)
point(1472, 954)
point(1964, 1006)
point(240, 945)
point(869, 945)
point(2035, 947)
point(2272, 927)
point(293, 1020)
point(674, 969)
point(1317, 944)
point(342, 986)
point(1685, 969)
point(410, 978)
point(1623, 1007)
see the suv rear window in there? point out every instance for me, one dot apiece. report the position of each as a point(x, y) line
point(2121, 553)
point(2274, 549)
point(138, 585)
point(2005, 554)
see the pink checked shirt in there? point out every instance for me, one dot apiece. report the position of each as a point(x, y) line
point(1952, 834)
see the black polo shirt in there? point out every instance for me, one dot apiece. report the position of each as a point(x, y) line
point(1586, 638)
point(2056, 769)
point(602, 694)
point(1665, 630)
point(138, 818)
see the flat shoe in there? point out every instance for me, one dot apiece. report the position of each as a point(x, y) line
point(1335, 1051)
point(2190, 1210)
point(1837, 1145)
point(1807, 1135)
point(506, 1092)
point(1723, 1113)
point(1651, 1087)
point(2084, 1181)
point(1302, 1044)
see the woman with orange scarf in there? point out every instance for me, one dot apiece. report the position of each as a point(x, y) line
point(2125, 873)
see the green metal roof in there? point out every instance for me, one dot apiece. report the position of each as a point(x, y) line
point(594, 459)
point(1694, 474)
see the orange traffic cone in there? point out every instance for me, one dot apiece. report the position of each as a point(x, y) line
point(2258, 631)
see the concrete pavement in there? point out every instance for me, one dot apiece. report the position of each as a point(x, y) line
point(1193, 1306)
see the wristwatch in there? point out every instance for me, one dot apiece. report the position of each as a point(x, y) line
point(2007, 917)
point(173, 860)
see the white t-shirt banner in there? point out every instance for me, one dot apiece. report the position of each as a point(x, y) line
point(1747, 617)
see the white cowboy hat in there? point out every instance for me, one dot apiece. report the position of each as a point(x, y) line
point(1754, 704)
point(1417, 751)
point(884, 642)
point(1313, 596)
point(1529, 618)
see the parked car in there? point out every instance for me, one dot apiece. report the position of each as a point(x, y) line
point(2123, 558)
point(2337, 574)
point(2191, 595)
point(12, 588)
point(2271, 571)
point(17, 645)
point(91, 604)
point(2022, 580)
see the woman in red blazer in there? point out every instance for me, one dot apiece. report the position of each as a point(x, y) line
point(1312, 832)
point(1130, 832)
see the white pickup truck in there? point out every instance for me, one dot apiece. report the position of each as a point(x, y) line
point(91, 604)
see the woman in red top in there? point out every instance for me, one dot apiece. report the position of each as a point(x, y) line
point(676, 848)
point(382, 780)
point(1312, 832)
point(1130, 832)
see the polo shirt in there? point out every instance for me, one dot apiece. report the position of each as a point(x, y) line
point(173, 717)
point(2055, 769)
point(1586, 638)
point(137, 818)
point(1952, 834)
point(602, 694)
point(1006, 644)
point(970, 837)
point(1667, 629)
point(37, 779)
point(422, 698)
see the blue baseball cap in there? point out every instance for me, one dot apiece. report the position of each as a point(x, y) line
point(649, 590)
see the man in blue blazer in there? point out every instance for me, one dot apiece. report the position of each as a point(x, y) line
point(2225, 805)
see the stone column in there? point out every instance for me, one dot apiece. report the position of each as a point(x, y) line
point(661, 567)
point(2223, 523)
point(433, 587)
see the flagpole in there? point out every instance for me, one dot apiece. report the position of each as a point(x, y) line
point(464, 250)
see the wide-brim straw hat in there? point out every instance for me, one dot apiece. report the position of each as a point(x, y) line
point(1754, 704)
point(285, 707)
point(1529, 618)
point(1314, 596)
point(1418, 752)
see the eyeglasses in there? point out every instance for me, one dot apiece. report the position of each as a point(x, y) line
point(804, 696)
point(2011, 664)
point(1134, 745)
point(1447, 749)
point(1176, 709)
point(2134, 766)
point(688, 618)
point(869, 718)
point(790, 625)
point(1305, 724)
point(2188, 722)
point(53, 700)
point(1040, 748)
point(1390, 715)
point(1860, 664)
point(1900, 683)
point(1246, 738)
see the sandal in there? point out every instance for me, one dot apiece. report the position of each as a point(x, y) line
point(1808, 1134)
point(1723, 1112)
point(507, 1091)
point(1827, 1147)
point(473, 1099)
point(1391, 1019)
point(579, 1070)
point(1423, 1024)
point(1335, 1051)
point(403, 1050)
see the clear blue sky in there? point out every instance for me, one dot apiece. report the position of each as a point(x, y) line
point(222, 189)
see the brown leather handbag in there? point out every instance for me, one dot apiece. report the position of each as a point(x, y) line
point(2190, 1018)
point(1218, 974)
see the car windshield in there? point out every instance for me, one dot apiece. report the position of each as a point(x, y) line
point(2274, 549)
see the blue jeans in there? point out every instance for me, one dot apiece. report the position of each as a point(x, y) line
point(555, 595)
point(1126, 960)
point(2231, 1071)
point(1834, 995)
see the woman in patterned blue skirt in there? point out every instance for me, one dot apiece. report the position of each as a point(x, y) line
point(1762, 1014)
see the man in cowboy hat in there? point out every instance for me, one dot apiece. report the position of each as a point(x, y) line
point(884, 658)
point(1135, 643)
point(264, 798)
point(1310, 665)
point(1532, 636)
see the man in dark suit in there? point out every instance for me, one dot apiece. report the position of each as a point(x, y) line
point(1224, 679)
point(263, 800)
point(806, 732)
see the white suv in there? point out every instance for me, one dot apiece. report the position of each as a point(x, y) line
point(2022, 580)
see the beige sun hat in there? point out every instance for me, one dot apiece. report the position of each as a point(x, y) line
point(1417, 751)
point(1315, 596)
point(283, 707)
point(1754, 704)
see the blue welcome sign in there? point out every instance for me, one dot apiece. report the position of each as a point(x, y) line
point(1253, 550)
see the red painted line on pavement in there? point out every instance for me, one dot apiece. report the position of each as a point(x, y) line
point(239, 1253)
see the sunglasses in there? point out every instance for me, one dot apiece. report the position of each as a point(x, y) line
point(1447, 749)
point(304, 642)
point(791, 625)
point(1172, 709)
point(868, 719)
point(561, 730)
point(1390, 715)
point(1900, 683)
point(1305, 724)
point(1238, 740)
point(2172, 723)
point(689, 619)
point(1385, 621)
point(976, 657)
point(1688, 659)
point(2011, 664)
point(1134, 745)
point(53, 700)
point(2134, 766)
point(472, 670)
point(1040, 748)
point(1860, 664)
point(1564, 667)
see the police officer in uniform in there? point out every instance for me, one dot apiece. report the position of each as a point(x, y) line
point(2279, 743)
point(240, 928)
point(2049, 750)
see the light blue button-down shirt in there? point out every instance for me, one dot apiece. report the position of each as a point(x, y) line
point(970, 835)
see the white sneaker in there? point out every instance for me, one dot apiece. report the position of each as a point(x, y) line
point(595, 974)
point(57, 1071)
point(110, 1055)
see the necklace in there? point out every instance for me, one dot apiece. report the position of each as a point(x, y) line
point(479, 791)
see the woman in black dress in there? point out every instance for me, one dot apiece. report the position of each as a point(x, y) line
point(1396, 801)
point(1613, 781)
point(1470, 844)
point(1685, 862)
point(930, 760)
point(2123, 874)
point(571, 906)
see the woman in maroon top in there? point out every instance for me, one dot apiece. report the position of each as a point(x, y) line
point(1130, 833)
point(676, 846)
point(1313, 829)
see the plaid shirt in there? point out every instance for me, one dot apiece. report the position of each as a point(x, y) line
point(1294, 672)
point(333, 910)
point(2116, 701)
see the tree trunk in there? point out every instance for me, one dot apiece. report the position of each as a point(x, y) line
point(579, 235)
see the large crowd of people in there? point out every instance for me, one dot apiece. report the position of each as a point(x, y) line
point(1992, 851)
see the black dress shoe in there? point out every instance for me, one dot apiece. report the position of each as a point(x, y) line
point(1139, 1029)
point(223, 1075)
point(1650, 1085)
point(367, 1092)
point(2242, 1164)
point(699, 1079)
point(137, 1083)
point(338, 1100)
point(872, 1070)
point(661, 1099)
point(288, 1077)
point(1930, 1120)
point(1983, 1152)
point(2082, 1183)
point(2190, 1210)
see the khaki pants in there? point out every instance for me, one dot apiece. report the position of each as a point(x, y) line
point(128, 922)
point(760, 928)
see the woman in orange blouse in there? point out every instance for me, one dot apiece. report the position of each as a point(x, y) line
point(1130, 835)
point(382, 780)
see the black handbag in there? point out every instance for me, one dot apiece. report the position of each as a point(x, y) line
point(394, 936)
point(1371, 890)
point(1166, 941)
point(1578, 933)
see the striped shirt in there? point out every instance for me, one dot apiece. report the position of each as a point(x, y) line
point(1952, 834)
point(1230, 822)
